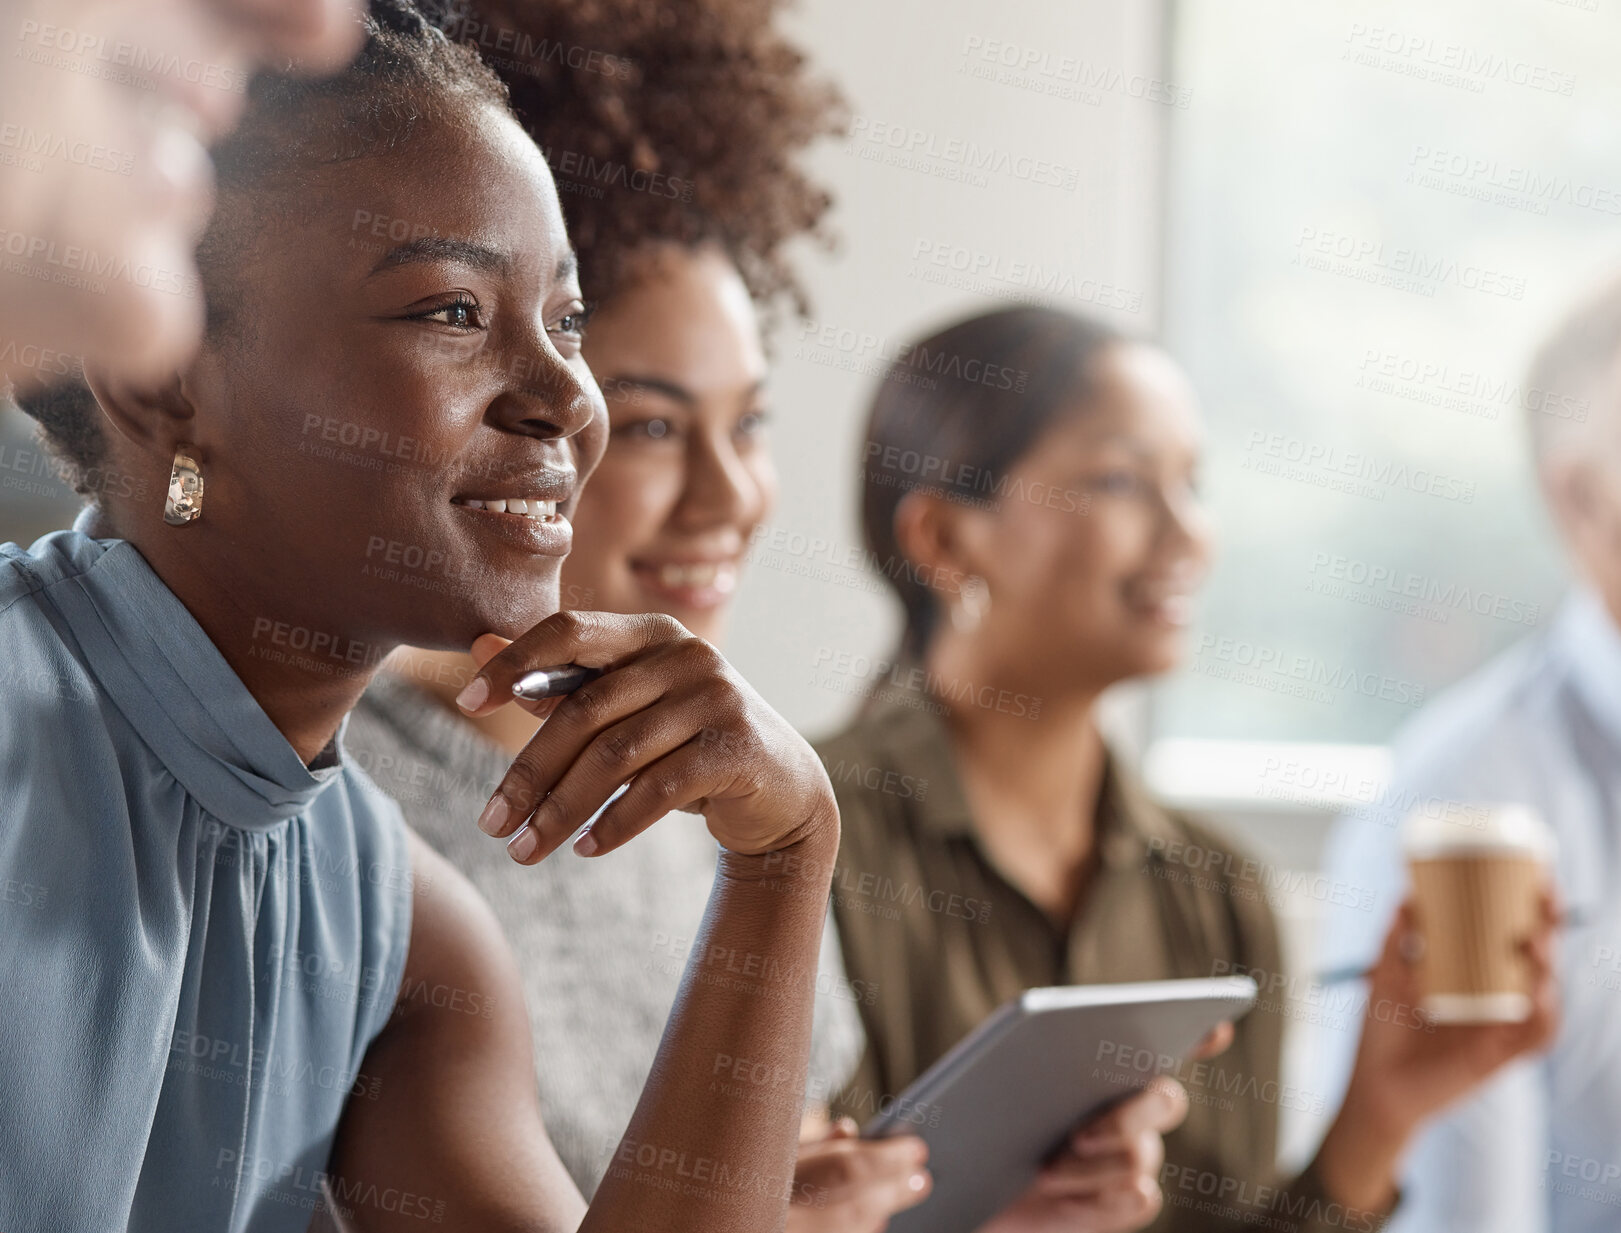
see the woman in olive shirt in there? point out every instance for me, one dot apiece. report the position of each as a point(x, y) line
point(1029, 494)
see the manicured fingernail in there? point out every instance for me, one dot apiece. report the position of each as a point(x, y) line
point(586, 844)
point(522, 845)
point(917, 1181)
point(475, 694)
point(494, 818)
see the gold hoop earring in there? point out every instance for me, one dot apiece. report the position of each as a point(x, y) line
point(184, 502)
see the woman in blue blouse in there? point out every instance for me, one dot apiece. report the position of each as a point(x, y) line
point(234, 986)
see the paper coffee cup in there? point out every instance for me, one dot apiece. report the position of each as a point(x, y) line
point(1478, 879)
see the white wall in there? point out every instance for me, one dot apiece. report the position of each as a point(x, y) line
point(1084, 110)
point(902, 64)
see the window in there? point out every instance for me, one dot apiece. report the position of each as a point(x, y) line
point(1375, 213)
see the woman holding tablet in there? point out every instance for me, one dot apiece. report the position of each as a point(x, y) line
point(1053, 550)
point(235, 983)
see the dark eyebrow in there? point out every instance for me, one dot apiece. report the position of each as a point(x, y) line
point(672, 390)
point(654, 385)
point(443, 248)
point(567, 264)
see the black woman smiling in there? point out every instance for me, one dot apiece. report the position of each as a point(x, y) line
point(238, 982)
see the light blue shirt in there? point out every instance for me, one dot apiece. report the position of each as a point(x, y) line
point(1538, 1148)
point(199, 935)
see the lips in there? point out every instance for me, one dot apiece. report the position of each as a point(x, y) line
point(530, 490)
point(531, 516)
point(1169, 602)
point(523, 507)
point(689, 584)
point(721, 575)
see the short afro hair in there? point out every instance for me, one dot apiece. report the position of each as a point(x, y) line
point(666, 121)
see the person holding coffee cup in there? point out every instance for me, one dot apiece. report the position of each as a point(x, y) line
point(1536, 732)
point(993, 841)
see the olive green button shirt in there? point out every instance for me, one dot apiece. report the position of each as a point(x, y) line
point(938, 939)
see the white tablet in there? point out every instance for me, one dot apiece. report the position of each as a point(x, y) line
point(1001, 1104)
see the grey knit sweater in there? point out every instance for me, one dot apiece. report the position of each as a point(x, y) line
point(601, 942)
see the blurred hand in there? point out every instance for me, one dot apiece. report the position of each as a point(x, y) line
point(1217, 1040)
point(846, 1184)
point(1107, 1178)
point(1408, 1069)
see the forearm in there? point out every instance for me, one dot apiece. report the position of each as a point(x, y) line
point(712, 1143)
point(1360, 1154)
point(1203, 1201)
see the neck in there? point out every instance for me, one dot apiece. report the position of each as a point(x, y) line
point(304, 677)
point(1031, 733)
point(1032, 781)
point(442, 674)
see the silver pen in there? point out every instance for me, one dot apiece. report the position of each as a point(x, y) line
point(552, 682)
point(1574, 918)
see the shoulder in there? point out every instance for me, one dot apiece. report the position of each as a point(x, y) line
point(456, 941)
point(45, 687)
point(1472, 737)
point(1174, 834)
point(888, 767)
point(1488, 711)
point(1475, 741)
point(381, 837)
point(32, 629)
point(50, 560)
point(1224, 887)
point(897, 730)
point(454, 1071)
point(844, 753)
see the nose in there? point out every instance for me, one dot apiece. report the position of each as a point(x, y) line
point(722, 489)
point(323, 35)
point(548, 398)
point(1184, 525)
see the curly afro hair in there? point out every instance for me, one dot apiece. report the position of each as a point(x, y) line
point(665, 121)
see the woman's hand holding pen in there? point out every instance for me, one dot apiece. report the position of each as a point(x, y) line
point(670, 717)
point(673, 725)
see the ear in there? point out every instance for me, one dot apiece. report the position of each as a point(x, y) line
point(930, 536)
point(153, 418)
point(1586, 508)
point(1571, 491)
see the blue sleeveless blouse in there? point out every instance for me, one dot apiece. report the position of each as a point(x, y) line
point(199, 935)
